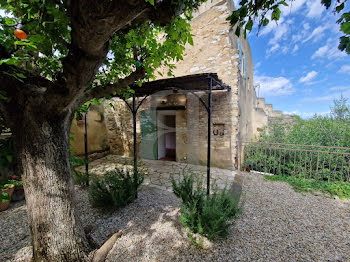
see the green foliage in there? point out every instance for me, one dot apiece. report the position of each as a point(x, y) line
point(76, 161)
point(47, 26)
point(340, 189)
point(203, 214)
point(269, 10)
point(332, 131)
point(116, 188)
point(16, 183)
point(7, 154)
point(4, 197)
point(80, 178)
point(148, 46)
point(340, 110)
point(6, 186)
point(193, 240)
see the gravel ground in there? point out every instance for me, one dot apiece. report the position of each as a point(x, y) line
point(277, 224)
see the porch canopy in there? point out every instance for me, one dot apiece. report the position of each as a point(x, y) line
point(206, 82)
point(192, 83)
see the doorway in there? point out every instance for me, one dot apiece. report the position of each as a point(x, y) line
point(166, 135)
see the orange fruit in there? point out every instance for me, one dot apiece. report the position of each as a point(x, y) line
point(20, 34)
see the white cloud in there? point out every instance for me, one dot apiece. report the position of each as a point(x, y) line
point(293, 7)
point(236, 3)
point(285, 49)
point(307, 91)
point(345, 69)
point(274, 86)
point(280, 32)
point(258, 64)
point(316, 34)
point(301, 34)
point(273, 49)
point(306, 26)
point(339, 88)
point(296, 48)
point(307, 79)
point(270, 27)
point(315, 8)
point(327, 98)
point(322, 51)
point(328, 51)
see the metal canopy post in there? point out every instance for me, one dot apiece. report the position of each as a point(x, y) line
point(134, 108)
point(86, 147)
point(134, 113)
point(86, 150)
point(209, 135)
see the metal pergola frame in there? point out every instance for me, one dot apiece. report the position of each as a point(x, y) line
point(207, 82)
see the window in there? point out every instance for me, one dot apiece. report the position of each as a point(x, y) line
point(245, 66)
point(239, 54)
point(242, 60)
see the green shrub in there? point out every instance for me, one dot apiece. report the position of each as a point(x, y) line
point(16, 183)
point(340, 189)
point(208, 215)
point(116, 188)
point(7, 157)
point(80, 178)
point(331, 130)
point(4, 197)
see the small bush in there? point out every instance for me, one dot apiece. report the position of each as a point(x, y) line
point(4, 197)
point(80, 178)
point(116, 188)
point(203, 214)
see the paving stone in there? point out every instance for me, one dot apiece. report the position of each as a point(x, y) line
point(160, 172)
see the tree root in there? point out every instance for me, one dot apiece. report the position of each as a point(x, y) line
point(101, 254)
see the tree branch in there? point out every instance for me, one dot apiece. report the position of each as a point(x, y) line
point(93, 24)
point(102, 91)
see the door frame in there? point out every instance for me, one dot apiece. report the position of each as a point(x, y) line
point(161, 132)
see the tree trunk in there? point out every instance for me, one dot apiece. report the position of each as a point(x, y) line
point(43, 155)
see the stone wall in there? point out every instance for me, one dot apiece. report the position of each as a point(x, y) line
point(120, 127)
point(264, 115)
point(213, 51)
point(98, 141)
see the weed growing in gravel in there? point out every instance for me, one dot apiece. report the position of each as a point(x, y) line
point(194, 242)
point(80, 178)
point(340, 189)
point(203, 214)
point(116, 188)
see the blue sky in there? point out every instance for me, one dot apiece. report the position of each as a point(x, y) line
point(297, 62)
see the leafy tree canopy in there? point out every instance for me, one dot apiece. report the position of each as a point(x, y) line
point(143, 44)
point(263, 12)
point(340, 109)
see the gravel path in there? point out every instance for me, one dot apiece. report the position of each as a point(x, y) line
point(277, 224)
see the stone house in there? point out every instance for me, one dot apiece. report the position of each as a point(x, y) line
point(173, 126)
